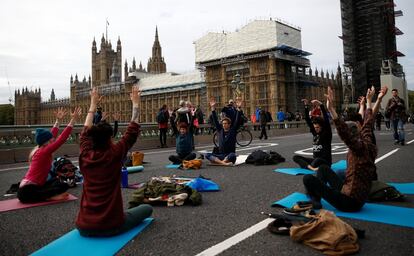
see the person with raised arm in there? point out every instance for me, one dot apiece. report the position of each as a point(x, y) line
point(35, 187)
point(101, 210)
point(226, 132)
point(351, 194)
point(320, 127)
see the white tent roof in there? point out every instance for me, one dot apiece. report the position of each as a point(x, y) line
point(256, 36)
point(166, 80)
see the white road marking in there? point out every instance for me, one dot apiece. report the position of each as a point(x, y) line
point(411, 141)
point(386, 155)
point(337, 149)
point(265, 145)
point(220, 247)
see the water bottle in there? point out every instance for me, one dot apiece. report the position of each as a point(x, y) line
point(124, 177)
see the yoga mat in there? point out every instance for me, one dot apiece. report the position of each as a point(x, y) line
point(135, 185)
point(387, 214)
point(173, 166)
point(339, 166)
point(73, 243)
point(294, 171)
point(404, 188)
point(132, 169)
point(15, 204)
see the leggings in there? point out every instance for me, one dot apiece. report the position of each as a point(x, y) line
point(178, 159)
point(305, 161)
point(32, 193)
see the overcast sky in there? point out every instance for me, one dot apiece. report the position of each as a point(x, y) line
point(43, 42)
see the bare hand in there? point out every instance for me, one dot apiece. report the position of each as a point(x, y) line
point(370, 93)
point(329, 99)
point(305, 101)
point(316, 102)
point(95, 98)
point(239, 102)
point(212, 102)
point(135, 95)
point(361, 101)
point(382, 92)
point(60, 113)
point(77, 112)
point(104, 115)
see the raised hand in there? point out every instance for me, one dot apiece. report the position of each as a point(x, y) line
point(135, 95)
point(316, 102)
point(361, 101)
point(212, 102)
point(60, 113)
point(239, 102)
point(95, 97)
point(382, 92)
point(329, 99)
point(116, 116)
point(104, 115)
point(370, 93)
point(305, 101)
point(77, 112)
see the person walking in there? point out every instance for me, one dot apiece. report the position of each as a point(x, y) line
point(162, 120)
point(101, 211)
point(396, 112)
point(263, 122)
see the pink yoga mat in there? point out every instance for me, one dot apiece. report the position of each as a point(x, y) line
point(15, 204)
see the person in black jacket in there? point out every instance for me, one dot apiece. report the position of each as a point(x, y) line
point(263, 122)
point(322, 138)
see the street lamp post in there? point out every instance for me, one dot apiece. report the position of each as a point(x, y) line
point(237, 85)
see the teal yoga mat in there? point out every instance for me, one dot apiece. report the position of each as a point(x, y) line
point(339, 166)
point(132, 169)
point(294, 171)
point(387, 214)
point(73, 243)
point(404, 188)
point(173, 166)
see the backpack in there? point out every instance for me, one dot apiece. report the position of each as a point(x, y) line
point(260, 157)
point(161, 117)
point(65, 171)
point(381, 191)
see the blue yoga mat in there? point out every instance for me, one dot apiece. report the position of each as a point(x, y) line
point(173, 166)
point(294, 171)
point(339, 166)
point(132, 169)
point(202, 185)
point(404, 188)
point(387, 214)
point(74, 244)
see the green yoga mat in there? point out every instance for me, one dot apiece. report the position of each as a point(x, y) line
point(73, 243)
point(387, 214)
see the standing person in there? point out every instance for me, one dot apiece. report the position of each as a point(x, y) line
point(183, 144)
point(281, 118)
point(199, 116)
point(34, 187)
point(378, 119)
point(98, 115)
point(322, 139)
point(162, 120)
point(101, 209)
point(263, 122)
point(268, 119)
point(351, 194)
point(397, 115)
point(226, 132)
point(298, 117)
point(173, 124)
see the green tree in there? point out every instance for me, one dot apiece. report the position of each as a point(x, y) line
point(411, 101)
point(6, 114)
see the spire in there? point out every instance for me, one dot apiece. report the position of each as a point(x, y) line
point(89, 80)
point(140, 66)
point(134, 66)
point(52, 95)
point(76, 77)
point(71, 79)
point(119, 41)
point(156, 33)
point(94, 42)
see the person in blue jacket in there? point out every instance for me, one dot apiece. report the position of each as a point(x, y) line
point(227, 132)
point(183, 144)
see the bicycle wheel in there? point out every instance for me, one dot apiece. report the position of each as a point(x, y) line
point(215, 139)
point(244, 138)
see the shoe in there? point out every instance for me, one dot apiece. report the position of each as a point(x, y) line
point(402, 143)
point(396, 142)
point(266, 138)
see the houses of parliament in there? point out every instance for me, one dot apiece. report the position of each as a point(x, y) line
point(266, 54)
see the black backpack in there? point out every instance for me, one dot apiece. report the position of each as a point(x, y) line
point(260, 157)
point(381, 191)
point(65, 171)
point(161, 117)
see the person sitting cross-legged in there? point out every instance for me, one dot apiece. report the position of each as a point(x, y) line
point(348, 195)
point(183, 144)
point(101, 210)
point(226, 132)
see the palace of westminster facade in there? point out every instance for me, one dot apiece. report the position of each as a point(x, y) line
point(265, 53)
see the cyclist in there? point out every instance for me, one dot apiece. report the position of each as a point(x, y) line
point(226, 132)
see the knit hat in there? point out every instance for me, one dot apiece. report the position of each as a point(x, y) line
point(42, 136)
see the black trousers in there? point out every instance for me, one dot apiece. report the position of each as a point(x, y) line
point(303, 162)
point(317, 188)
point(178, 159)
point(163, 136)
point(32, 193)
point(263, 131)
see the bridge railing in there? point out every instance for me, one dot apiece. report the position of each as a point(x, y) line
point(24, 135)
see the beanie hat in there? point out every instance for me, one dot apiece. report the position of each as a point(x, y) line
point(42, 136)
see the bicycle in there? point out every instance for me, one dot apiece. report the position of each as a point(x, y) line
point(243, 138)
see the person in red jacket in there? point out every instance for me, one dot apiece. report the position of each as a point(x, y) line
point(35, 187)
point(101, 210)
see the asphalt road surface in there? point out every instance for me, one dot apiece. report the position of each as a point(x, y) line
point(226, 221)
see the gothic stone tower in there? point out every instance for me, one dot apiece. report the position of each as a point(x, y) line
point(102, 61)
point(156, 64)
point(27, 107)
